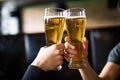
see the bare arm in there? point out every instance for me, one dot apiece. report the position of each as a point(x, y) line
point(111, 71)
point(88, 73)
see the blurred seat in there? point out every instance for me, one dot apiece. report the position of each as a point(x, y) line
point(12, 57)
point(33, 42)
point(102, 41)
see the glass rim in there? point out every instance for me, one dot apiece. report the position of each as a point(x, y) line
point(54, 12)
point(55, 8)
point(75, 12)
point(75, 8)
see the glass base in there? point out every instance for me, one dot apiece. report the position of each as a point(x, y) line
point(58, 68)
point(76, 65)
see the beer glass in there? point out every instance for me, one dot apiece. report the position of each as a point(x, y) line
point(54, 20)
point(75, 26)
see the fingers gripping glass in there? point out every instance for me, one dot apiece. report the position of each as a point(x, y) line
point(75, 25)
point(54, 20)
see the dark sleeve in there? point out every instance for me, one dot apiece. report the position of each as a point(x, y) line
point(114, 55)
point(34, 73)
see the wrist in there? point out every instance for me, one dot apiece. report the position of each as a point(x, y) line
point(39, 65)
point(85, 63)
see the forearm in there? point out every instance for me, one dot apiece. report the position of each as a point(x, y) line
point(34, 73)
point(88, 73)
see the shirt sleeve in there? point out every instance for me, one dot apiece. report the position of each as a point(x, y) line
point(114, 55)
point(34, 73)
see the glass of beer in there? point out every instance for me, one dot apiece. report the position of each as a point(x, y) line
point(54, 20)
point(75, 26)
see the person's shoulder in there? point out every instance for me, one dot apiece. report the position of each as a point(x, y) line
point(118, 44)
point(117, 47)
point(114, 55)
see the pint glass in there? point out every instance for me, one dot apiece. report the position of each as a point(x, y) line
point(75, 25)
point(54, 20)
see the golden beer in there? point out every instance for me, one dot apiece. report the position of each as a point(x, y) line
point(54, 27)
point(76, 31)
point(54, 20)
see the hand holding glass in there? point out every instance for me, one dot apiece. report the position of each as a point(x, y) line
point(54, 20)
point(75, 25)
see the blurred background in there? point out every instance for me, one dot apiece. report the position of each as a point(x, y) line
point(22, 34)
point(26, 16)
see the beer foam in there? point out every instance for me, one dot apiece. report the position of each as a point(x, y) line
point(76, 17)
point(54, 17)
